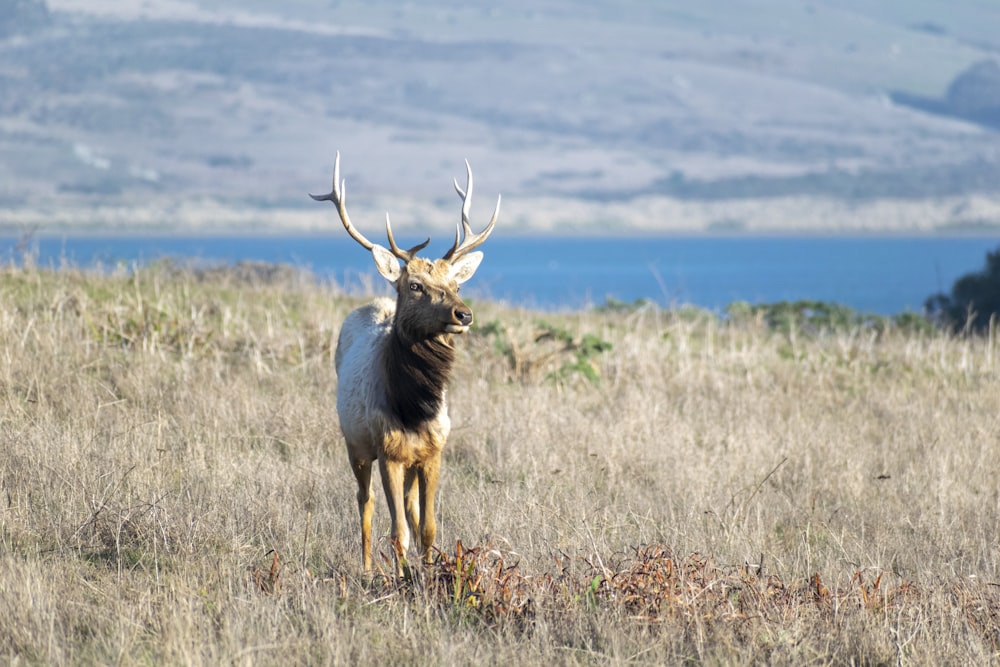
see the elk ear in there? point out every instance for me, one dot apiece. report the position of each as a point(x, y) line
point(386, 263)
point(463, 268)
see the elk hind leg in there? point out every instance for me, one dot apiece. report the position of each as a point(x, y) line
point(411, 491)
point(427, 477)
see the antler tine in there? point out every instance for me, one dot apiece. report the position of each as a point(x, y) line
point(466, 196)
point(405, 255)
point(338, 195)
point(470, 240)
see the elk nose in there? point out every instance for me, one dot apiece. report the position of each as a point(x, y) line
point(463, 316)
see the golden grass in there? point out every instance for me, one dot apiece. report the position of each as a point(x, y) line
point(173, 487)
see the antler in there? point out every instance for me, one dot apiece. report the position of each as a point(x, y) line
point(405, 255)
point(338, 195)
point(465, 240)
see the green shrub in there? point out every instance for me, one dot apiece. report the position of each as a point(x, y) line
point(974, 301)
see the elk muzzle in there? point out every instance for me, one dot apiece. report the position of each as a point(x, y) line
point(461, 320)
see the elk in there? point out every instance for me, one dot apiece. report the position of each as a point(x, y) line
point(393, 360)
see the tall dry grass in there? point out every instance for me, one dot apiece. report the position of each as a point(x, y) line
point(173, 487)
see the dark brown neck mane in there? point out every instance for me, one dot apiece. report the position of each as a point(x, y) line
point(416, 376)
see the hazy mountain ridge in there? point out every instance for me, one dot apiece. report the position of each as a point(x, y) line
point(974, 96)
point(160, 106)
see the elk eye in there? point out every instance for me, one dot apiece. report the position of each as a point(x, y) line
point(416, 287)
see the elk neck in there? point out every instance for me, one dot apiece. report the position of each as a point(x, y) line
point(416, 372)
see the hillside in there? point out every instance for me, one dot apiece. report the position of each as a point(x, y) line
point(223, 115)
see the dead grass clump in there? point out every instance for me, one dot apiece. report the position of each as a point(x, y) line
point(483, 582)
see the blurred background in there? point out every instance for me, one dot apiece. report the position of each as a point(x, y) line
point(721, 117)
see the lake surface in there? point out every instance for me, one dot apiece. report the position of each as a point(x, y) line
point(883, 275)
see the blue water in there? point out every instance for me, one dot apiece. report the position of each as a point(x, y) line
point(883, 275)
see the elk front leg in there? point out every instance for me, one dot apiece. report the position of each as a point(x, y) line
point(427, 477)
point(366, 506)
point(393, 478)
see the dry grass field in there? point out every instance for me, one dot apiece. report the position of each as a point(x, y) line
point(622, 486)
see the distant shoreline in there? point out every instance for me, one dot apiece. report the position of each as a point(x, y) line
point(959, 215)
point(883, 274)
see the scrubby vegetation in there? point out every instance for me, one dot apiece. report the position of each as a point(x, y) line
point(974, 302)
point(622, 485)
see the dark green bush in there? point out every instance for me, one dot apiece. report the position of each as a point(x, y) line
point(974, 301)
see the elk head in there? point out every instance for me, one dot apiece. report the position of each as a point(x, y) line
point(427, 303)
